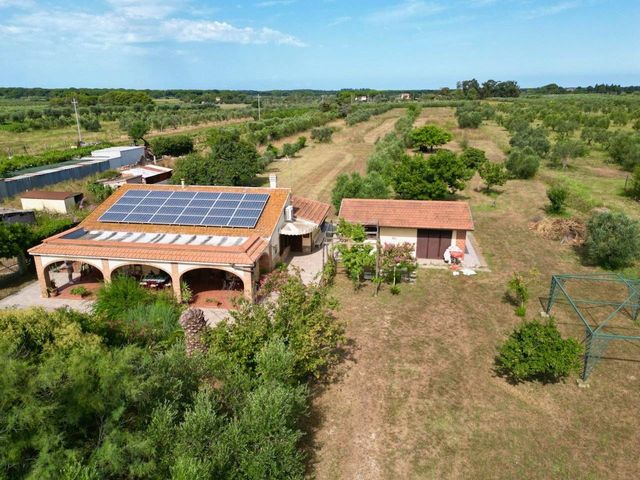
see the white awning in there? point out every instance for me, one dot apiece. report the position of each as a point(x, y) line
point(298, 227)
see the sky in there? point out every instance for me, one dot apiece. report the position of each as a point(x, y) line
point(323, 44)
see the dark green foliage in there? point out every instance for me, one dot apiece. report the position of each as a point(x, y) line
point(99, 191)
point(90, 124)
point(429, 136)
point(624, 149)
point(522, 163)
point(613, 240)
point(557, 195)
point(534, 138)
point(564, 150)
point(15, 238)
point(634, 186)
point(232, 161)
point(414, 179)
point(469, 119)
point(125, 97)
point(322, 134)
point(473, 158)
point(351, 231)
point(537, 351)
point(79, 398)
point(493, 174)
point(174, 146)
point(302, 317)
point(434, 177)
point(137, 130)
point(357, 259)
point(355, 186)
point(362, 114)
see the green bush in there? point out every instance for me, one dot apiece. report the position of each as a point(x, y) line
point(522, 163)
point(80, 290)
point(473, 158)
point(634, 187)
point(322, 134)
point(613, 240)
point(557, 195)
point(537, 351)
point(174, 146)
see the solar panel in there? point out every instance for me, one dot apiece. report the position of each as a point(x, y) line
point(178, 207)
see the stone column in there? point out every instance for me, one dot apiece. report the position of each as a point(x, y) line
point(247, 280)
point(44, 281)
point(175, 281)
point(106, 271)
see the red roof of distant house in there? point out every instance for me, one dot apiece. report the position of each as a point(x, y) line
point(49, 195)
point(440, 215)
point(310, 210)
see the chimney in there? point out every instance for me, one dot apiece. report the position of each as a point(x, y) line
point(182, 182)
point(273, 180)
point(288, 213)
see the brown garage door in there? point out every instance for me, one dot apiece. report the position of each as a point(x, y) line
point(432, 243)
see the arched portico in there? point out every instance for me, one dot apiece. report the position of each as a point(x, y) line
point(216, 287)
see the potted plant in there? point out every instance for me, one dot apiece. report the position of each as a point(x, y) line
point(52, 289)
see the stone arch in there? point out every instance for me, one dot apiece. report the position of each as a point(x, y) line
point(214, 286)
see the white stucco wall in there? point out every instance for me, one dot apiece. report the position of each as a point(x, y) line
point(396, 236)
point(60, 206)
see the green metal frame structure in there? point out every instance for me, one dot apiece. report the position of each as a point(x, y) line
point(598, 333)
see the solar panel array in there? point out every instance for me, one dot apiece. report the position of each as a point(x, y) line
point(178, 207)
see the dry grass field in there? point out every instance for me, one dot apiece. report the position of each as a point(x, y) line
point(312, 172)
point(417, 396)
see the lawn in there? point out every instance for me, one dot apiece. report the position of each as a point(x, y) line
point(418, 396)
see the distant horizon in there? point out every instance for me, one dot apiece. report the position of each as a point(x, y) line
point(316, 44)
point(293, 89)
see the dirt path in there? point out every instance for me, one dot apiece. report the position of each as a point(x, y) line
point(313, 171)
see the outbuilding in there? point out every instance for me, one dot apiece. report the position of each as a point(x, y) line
point(431, 226)
point(60, 202)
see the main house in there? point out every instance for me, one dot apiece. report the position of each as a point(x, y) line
point(431, 226)
point(205, 236)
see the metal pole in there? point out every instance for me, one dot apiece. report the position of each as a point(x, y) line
point(75, 109)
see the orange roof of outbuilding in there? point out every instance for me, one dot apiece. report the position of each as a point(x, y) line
point(439, 215)
point(48, 195)
point(308, 209)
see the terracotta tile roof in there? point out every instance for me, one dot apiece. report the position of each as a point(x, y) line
point(265, 227)
point(408, 213)
point(310, 210)
point(245, 254)
point(48, 195)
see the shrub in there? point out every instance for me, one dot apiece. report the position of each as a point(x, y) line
point(99, 191)
point(557, 195)
point(613, 240)
point(469, 119)
point(352, 231)
point(518, 289)
point(473, 158)
point(522, 163)
point(174, 146)
point(429, 136)
point(80, 290)
point(537, 351)
point(395, 290)
point(322, 134)
point(634, 189)
point(493, 174)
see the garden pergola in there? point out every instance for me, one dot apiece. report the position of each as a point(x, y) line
point(608, 305)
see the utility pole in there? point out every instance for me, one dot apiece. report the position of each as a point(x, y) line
point(75, 109)
point(258, 107)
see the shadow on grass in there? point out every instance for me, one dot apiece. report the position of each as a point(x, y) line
point(314, 421)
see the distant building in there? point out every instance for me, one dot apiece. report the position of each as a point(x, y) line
point(145, 174)
point(405, 96)
point(13, 215)
point(59, 202)
point(362, 98)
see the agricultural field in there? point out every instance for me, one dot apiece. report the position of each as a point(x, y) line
point(417, 395)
